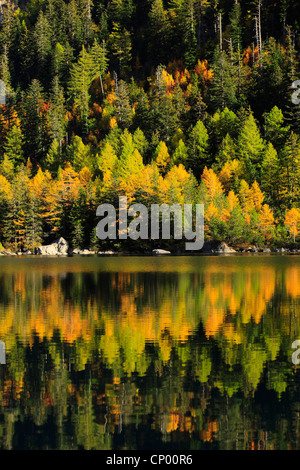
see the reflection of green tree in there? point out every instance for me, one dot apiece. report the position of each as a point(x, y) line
point(255, 358)
point(203, 367)
point(89, 434)
point(17, 361)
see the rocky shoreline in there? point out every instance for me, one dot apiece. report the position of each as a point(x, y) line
point(61, 247)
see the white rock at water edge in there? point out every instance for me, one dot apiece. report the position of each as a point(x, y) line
point(160, 252)
point(57, 248)
point(224, 248)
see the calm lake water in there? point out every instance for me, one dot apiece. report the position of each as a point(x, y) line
point(150, 353)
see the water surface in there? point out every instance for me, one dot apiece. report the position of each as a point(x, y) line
point(150, 352)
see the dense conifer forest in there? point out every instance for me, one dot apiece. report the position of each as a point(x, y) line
point(174, 101)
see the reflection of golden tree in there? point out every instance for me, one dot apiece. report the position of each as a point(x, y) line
point(165, 324)
point(51, 313)
point(292, 281)
point(224, 301)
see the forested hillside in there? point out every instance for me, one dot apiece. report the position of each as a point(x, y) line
point(165, 101)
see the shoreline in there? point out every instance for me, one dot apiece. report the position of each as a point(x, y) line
point(61, 248)
point(7, 254)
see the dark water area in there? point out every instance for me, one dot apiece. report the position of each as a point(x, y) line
point(150, 352)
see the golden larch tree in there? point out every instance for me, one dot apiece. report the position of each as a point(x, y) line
point(291, 221)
